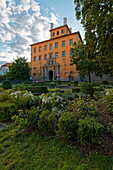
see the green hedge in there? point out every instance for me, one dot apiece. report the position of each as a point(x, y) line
point(7, 110)
point(34, 89)
point(6, 84)
point(76, 90)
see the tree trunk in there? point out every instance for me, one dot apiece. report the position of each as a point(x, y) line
point(89, 77)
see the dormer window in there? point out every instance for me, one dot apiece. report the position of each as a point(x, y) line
point(57, 32)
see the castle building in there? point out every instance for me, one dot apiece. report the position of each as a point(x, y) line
point(50, 59)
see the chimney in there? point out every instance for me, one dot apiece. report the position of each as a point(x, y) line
point(70, 29)
point(65, 21)
point(51, 25)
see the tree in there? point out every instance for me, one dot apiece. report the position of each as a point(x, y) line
point(84, 64)
point(97, 19)
point(19, 69)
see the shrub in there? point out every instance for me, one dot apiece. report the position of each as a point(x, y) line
point(27, 119)
point(4, 96)
point(107, 100)
point(75, 83)
point(83, 108)
point(7, 110)
point(53, 90)
point(76, 90)
point(89, 130)
point(67, 91)
point(110, 128)
point(105, 82)
point(6, 85)
point(87, 88)
point(67, 126)
point(21, 98)
point(47, 122)
point(95, 83)
point(50, 101)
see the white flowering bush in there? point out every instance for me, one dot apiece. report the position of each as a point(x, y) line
point(21, 98)
point(52, 102)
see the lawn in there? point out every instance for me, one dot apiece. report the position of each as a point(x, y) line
point(28, 150)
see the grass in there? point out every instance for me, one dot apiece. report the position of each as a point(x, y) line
point(29, 151)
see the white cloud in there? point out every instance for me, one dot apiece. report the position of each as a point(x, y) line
point(53, 19)
point(21, 25)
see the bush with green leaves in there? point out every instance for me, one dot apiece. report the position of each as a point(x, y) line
point(4, 96)
point(75, 83)
point(7, 110)
point(67, 126)
point(87, 88)
point(6, 84)
point(76, 90)
point(21, 98)
point(28, 118)
point(105, 82)
point(84, 107)
point(50, 101)
point(89, 130)
point(47, 122)
point(110, 128)
point(107, 100)
point(95, 84)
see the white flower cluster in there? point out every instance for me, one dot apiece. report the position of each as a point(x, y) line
point(109, 91)
point(25, 94)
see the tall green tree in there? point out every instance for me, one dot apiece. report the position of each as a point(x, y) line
point(83, 63)
point(19, 69)
point(97, 19)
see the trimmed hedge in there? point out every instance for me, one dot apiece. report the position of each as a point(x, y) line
point(76, 90)
point(7, 110)
point(6, 84)
point(34, 89)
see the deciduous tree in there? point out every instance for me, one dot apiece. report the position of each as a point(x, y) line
point(19, 69)
point(83, 63)
point(97, 19)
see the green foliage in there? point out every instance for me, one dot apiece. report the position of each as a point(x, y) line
point(6, 84)
point(47, 122)
point(107, 100)
point(67, 91)
point(27, 119)
point(83, 108)
point(82, 60)
point(33, 89)
point(110, 128)
point(96, 17)
point(53, 90)
point(87, 88)
point(105, 82)
point(89, 130)
point(76, 90)
point(52, 102)
point(19, 69)
point(4, 96)
point(75, 83)
point(96, 84)
point(7, 110)
point(67, 126)
point(21, 98)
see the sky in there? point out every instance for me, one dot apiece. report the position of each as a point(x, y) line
point(25, 22)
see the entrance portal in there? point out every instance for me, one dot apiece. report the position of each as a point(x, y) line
point(50, 74)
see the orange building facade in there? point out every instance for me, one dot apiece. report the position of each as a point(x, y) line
point(50, 59)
